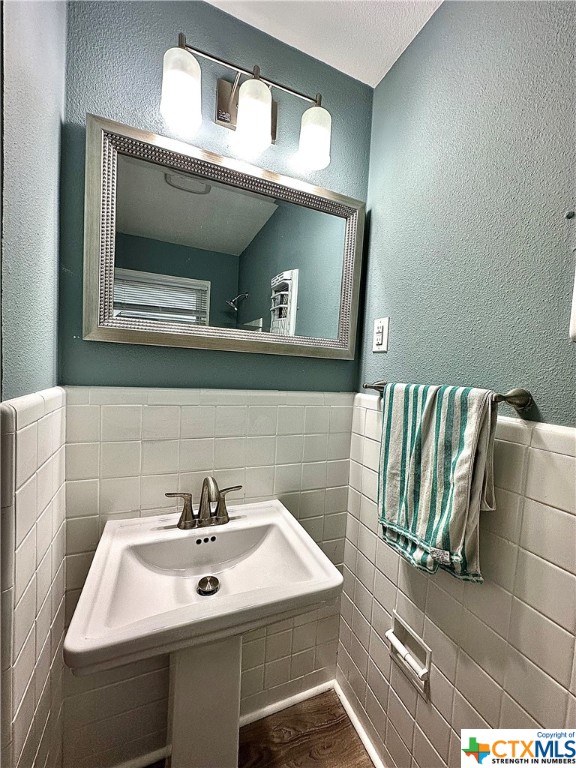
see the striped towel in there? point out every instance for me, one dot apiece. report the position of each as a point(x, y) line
point(436, 474)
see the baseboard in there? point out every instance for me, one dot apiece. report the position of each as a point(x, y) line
point(271, 709)
point(358, 727)
point(143, 761)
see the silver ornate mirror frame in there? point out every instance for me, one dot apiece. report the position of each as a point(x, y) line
point(104, 141)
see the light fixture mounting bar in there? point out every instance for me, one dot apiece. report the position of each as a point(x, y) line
point(249, 72)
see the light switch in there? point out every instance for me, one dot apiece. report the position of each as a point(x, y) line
point(380, 335)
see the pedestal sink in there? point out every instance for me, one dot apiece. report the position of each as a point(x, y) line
point(140, 599)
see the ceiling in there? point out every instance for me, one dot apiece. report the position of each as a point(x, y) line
point(160, 204)
point(336, 31)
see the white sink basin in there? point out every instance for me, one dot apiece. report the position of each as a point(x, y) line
point(140, 596)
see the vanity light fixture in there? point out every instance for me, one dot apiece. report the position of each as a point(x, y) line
point(181, 104)
point(247, 108)
point(315, 133)
point(254, 116)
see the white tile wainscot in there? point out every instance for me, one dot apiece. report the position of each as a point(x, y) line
point(125, 449)
point(32, 581)
point(502, 651)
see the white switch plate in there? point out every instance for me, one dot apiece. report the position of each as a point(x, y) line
point(380, 335)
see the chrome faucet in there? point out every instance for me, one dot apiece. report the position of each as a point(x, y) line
point(210, 495)
point(206, 516)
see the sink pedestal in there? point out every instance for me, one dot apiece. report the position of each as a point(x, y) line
point(205, 704)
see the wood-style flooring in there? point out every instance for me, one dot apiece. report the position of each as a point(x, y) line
point(313, 734)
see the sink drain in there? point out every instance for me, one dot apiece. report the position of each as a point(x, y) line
point(208, 585)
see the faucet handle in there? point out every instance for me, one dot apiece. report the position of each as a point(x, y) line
point(221, 510)
point(187, 519)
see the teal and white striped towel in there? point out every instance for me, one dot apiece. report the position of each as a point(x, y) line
point(436, 474)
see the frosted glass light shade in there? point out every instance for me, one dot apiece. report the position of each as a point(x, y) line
point(315, 134)
point(181, 104)
point(254, 119)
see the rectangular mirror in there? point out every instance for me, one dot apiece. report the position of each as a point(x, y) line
point(187, 248)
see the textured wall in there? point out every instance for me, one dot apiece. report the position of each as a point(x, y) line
point(471, 173)
point(34, 67)
point(114, 69)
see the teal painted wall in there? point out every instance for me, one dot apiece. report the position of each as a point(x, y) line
point(296, 238)
point(34, 52)
point(472, 169)
point(114, 69)
point(220, 269)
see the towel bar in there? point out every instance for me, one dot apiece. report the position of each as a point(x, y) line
point(520, 399)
